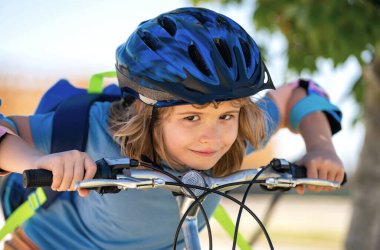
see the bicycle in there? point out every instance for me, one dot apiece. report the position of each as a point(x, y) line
point(114, 175)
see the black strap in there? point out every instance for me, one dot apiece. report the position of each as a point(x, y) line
point(70, 123)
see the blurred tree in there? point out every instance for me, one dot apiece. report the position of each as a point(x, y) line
point(337, 30)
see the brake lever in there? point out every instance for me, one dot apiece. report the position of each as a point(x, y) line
point(122, 183)
point(272, 183)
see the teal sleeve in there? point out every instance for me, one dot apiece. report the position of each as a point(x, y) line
point(41, 128)
point(10, 122)
point(314, 103)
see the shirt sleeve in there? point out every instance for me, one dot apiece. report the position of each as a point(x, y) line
point(272, 116)
point(41, 128)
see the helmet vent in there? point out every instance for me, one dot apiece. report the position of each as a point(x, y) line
point(198, 60)
point(149, 40)
point(201, 18)
point(224, 51)
point(168, 25)
point(223, 22)
point(246, 52)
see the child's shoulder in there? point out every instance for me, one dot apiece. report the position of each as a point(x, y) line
point(99, 116)
point(100, 110)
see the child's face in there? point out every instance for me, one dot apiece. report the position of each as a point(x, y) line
point(198, 138)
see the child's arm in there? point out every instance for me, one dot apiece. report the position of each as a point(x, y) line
point(321, 159)
point(17, 153)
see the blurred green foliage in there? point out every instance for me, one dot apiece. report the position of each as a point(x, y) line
point(330, 29)
point(196, 2)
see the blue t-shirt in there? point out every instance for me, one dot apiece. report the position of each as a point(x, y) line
point(133, 219)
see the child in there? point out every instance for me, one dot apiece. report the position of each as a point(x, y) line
point(187, 77)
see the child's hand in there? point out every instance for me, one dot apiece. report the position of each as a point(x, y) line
point(68, 167)
point(322, 164)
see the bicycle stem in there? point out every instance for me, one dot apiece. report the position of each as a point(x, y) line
point(190, 225)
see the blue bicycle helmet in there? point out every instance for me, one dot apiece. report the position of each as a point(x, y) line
point(190, 55)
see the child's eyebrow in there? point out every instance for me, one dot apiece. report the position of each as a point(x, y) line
point(232, 111)
point(189, 112)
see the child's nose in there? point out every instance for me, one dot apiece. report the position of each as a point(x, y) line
point(210, 133)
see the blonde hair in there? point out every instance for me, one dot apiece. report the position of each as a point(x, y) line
point(131, 127)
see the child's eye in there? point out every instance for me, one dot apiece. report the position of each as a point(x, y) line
point(226, 117)
point(192, 118)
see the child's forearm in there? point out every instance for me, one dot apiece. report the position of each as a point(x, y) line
point(16, 155)
point(316, 132)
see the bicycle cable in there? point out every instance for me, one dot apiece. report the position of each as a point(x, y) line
point(242, 205)
point(208, 191)
point(241, 210)
point(179, 181)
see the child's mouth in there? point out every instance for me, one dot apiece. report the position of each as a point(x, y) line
point(204, 153)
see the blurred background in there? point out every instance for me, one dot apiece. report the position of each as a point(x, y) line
point(335, 43)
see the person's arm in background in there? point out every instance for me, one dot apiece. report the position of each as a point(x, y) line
point(320, 159)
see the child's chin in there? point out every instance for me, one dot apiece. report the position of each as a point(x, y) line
point(201, 167)
point(197, 165)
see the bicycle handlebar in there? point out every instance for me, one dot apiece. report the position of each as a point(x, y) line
point(115, 174)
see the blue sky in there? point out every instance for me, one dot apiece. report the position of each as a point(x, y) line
point(71, 37)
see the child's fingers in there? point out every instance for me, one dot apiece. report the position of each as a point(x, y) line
point(331, 176)
point(67, 175)
point(90, 168)
point(312, 173)
point(340, 176)
point(68, 168)
point(89, 173)
point(78, 173)
point(83, 192)
point(57, 171)
point(322, 174)
point(300, 190)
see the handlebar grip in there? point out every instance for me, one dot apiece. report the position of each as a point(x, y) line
point(37, 178)
point(33, 178)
